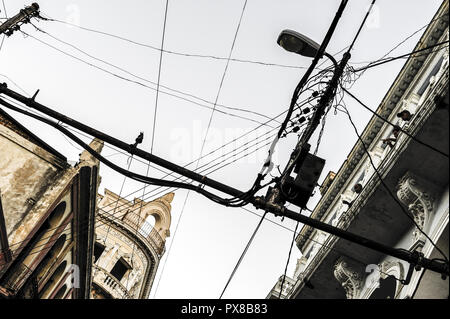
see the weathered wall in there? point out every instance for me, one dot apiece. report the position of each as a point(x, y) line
point(26, 172)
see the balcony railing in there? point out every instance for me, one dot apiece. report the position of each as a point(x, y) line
point(287, 287)
point(108, 282)
point(145, 229)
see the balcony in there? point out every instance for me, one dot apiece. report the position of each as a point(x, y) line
point(287, 287)
point(108, 282)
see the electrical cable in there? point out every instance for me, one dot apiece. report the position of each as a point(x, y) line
point(113, 217)
point(144, 85)
point(154, 117)
point(147, 80)
point(243, 254)
point(393, 125)
point(222, 165)
point(135, 176)
point(307, 100)
point(206, 135)
point(386, 60)
point(361, 26)
point(6, 16)
point(289, 257)
point(159, 76)
point(316, 116)
point(174, 52)
point(186, 178)
point(404, 40)
point(228, 143)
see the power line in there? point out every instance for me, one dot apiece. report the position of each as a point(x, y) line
point(257, 201)
point(176, 52)
point(305, 101)
point(185, 166)
point(6, 17)
point(204, 140)
point(159, 75)
point(125, 204)
point(401, 42)
point(170, 174)
point(10, 80)
point(142, 84)
point(405, 39)
point(289, 257)
point(114, 216)
point(268, 165)
point(320, 137)
point(361, 26)
point(156, 99)
point(386, 60)
point(243, 254)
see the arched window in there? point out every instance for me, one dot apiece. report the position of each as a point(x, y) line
point(51, 257)
point(45, 232)
point(54, 279)
point(61, 292)
point(147, 225)
point(57, 214)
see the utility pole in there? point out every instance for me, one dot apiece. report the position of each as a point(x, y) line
point(301, 157)
point(13, 24)
point(415, 258)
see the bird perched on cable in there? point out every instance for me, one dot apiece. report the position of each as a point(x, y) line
point(138, 140)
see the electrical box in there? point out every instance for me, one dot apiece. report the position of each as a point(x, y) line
point(299, 189)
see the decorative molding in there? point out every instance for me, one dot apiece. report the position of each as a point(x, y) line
point(349, 278)
point(419, 202)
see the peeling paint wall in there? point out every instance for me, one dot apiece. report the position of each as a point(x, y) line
point(26, 173)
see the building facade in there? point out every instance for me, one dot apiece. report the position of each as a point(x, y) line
point(46, 216)
point(414, 176)
point(128, 247)
point(59, 238)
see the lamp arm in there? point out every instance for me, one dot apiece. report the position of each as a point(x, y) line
point(332, 59)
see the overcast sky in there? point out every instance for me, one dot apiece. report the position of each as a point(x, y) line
point(209, 238)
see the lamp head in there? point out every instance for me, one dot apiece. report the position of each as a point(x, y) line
point(298, 43)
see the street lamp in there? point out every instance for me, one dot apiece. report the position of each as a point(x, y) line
point(298, 43)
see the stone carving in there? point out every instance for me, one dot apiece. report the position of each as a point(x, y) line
point(419, 202)
point(391, 267)
point(349, 278)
